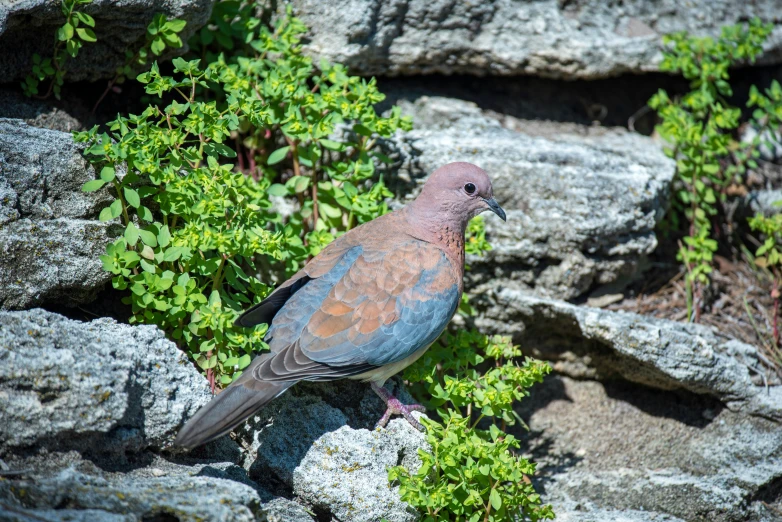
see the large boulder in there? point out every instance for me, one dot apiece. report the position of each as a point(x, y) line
point(28, 27)
point(318, 442)
point(592, 343)
point(616, 451)
point(50, 239)
point(582, 204)
point(90, 411)
point(99, 387)
point(554, 38)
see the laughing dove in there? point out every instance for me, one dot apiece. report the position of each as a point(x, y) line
point(364, 308)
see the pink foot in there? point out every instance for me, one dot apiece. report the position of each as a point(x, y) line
point(395, 407)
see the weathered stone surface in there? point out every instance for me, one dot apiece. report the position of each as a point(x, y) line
point(187, 498)
point(617, 451)
point(346, 472)
point(593, 343)
point(554, 38)
point(315, 441)
point(581, 207)
point(99, 387)
point(50, 239)
point(29, 26)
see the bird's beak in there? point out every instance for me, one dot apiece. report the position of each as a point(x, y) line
point(495, 207)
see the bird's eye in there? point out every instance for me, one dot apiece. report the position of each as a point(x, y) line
point(469, 188)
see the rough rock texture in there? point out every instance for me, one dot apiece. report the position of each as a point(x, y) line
point(648, 419)
point(49, 238)
point(317, 441)
point(90, 409)
point(110, 387)
point(554, 38)
point(29, 26)
point(599, 344)
point(618, 451)
point(581, 207)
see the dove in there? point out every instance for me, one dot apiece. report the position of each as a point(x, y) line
point(366, 307)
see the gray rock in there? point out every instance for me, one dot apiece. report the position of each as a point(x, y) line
point(185, 497)
point(599, 344)
point(98, 387)
point(284, 510)
point(326, 457)
point(582, 207)
point(50, 241)
point(346, 472)
point(29, 26)
point(617, 451)
point(554, 38)
point(762, 202)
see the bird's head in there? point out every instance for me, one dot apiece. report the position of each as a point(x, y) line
point(459, 191)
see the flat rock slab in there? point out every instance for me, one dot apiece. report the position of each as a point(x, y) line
point(584, 39)
point(593, 343)
point(50, 238)
point(28, 27)
point(617, 451)
point(98, 387)
point(581, 208)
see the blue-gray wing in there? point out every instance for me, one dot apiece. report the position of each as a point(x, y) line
point(372, 308)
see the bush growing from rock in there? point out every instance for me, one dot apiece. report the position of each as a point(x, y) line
point(199, 179)
point(699, 127)
point(472, 473)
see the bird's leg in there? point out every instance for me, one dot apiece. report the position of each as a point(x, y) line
point(395, 407)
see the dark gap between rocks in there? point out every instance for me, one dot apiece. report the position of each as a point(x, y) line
point(609, 102)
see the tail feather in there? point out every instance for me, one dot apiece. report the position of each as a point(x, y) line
point(227, 410)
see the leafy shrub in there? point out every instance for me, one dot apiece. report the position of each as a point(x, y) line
point(700, 128)
point(73, 34)
point(199, 232)
point(198, 180)
point(769, 257)
point(472, 473)
point(161, 33)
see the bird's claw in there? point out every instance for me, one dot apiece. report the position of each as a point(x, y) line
point(395, 407)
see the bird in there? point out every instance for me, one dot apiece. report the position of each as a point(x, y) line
point(366, 307)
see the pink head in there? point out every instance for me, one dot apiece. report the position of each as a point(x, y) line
point(456, 193)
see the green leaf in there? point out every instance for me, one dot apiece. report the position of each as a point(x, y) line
point(116, 208)
point(148, 238)
point(107, 174)
point(93, 185)
point(85, 19)
point(277, 156)
point(277, 190)
point(65, 32)
point(86, 34)
point(105, 214)
point(332, 145)
point(157, 46)
point(176, 25)
point(495, 499)
point(172, 254)
point(131, 196)
point(164, 236)
point(131, 234)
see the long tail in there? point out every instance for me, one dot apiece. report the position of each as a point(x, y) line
point(227, 410)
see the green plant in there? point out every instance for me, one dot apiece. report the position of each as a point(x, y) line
point(200, 232)
point(70, 37)
point(699, 126)
point(769, 257)
point(472, 472)
point(161, 33)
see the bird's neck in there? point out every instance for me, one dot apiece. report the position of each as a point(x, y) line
point(433, 225)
